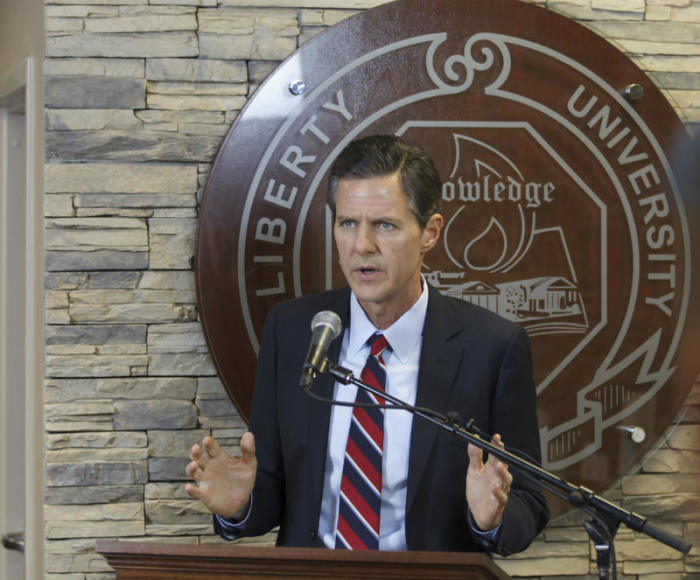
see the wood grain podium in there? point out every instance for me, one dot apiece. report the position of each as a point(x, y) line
point(155, 561)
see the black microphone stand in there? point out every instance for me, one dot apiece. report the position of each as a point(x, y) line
point(606, 516)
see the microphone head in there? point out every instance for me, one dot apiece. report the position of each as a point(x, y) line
point(327, 318)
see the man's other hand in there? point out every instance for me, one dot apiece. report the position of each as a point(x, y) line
point(223, 483)
point(488, 485)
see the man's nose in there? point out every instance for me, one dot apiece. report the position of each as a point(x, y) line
point(365, 242)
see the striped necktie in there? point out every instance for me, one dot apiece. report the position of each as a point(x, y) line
point(361, 484)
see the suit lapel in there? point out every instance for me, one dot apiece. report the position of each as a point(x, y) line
point(438, 365)
point(319, 412)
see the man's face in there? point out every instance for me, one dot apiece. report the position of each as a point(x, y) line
point(381, 245)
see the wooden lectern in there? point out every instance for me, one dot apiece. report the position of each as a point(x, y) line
point(154, 561)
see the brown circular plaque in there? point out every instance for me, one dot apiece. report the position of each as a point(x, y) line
point(561, 207)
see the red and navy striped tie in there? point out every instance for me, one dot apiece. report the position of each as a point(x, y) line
point(361, 485)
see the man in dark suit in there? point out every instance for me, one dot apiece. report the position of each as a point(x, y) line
point(444, 354)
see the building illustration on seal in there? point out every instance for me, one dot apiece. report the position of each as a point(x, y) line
point(544, 305)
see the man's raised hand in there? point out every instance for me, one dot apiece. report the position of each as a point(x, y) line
point(488, 486)
point(223, 483)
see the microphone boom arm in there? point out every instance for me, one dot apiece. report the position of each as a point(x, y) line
point(577, 496)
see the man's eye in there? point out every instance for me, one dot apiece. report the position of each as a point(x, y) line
point(347, 223)
point(386, 226)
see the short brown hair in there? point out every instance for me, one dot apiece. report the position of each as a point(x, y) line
point(380, 155)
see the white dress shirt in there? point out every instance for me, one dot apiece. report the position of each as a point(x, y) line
point(405, 337)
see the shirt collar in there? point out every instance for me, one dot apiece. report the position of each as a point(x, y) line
point(403, 335)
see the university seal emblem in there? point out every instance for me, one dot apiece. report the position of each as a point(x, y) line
point(561, 206)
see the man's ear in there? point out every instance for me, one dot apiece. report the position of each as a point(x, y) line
point(431, 232)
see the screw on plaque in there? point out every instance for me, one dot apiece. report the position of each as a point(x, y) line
point(633, 92)
point(637, 434)
point(297, 87)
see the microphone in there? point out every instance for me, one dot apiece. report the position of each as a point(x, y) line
point(325, 327)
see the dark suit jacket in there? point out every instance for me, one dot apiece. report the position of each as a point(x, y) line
point(472, 362)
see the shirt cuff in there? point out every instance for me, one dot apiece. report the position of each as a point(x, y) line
point(489, 536)
point(233, 529)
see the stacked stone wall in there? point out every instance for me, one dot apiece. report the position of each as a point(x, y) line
point(139, 95)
